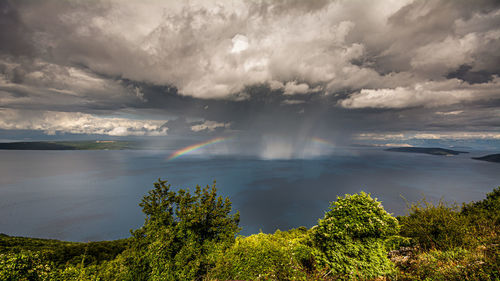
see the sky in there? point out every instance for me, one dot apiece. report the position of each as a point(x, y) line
point(268, 74)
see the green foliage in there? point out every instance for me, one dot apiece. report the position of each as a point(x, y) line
point(278, 256)
point(61, 253)
point(484, 220)
point(182, 235)
point(454, 264)
point(114, 269)
point(432, 226)
point(489, 208)
point(395, 242)
point(350, 238)
point(192, 237)
point(357, 216)
point(24, 266)
point(484, 217)
point(455, 244)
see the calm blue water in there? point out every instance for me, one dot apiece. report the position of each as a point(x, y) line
point(94, 195)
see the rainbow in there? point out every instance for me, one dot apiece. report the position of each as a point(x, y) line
point(194, 147)
point(322, 141)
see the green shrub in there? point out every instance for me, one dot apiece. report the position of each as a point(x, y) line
point(24, 266)
point(182, 233)
point(62, 253)
point(278, 256)
point(438, 226)
point(487, 209)
point(454, 264)
point(349, 240)
point(396, 242)
point(484, 218)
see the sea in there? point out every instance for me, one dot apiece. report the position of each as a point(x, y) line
point(95, 195)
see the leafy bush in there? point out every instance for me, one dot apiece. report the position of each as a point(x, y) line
point(278, 256)
point(484, 220)
point(350, 238)
point(455, 244)
point(182, 234)
point(487, 209)
point(484, 217)
point(24, 266)
point(432, 226)
point(454, 264)
point(62, 253)
point(109, 270)
point(396, 242)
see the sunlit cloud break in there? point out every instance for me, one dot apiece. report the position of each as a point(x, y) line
point(194, 147)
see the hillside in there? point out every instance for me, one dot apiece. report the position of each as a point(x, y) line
point(69, 145)
point(35, 146)
point(193, 237)
point(61, 253)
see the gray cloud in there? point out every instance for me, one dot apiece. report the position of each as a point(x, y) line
point(279, 70)
point(14, 35)
point(194, 50)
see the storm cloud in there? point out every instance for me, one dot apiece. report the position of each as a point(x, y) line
point(262, 70)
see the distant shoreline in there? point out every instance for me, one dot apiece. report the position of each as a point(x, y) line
point(427, 150)
point(495, 158)
point(70, 145)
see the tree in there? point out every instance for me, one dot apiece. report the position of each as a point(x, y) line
point(182, 233)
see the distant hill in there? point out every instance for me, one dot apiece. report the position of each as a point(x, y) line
point(490, 158)
point(69, 145)
point(427, 150)
point(35, 146)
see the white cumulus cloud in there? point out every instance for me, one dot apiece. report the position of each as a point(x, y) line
point(52, 122)
point(429, 94)
point(209, 125)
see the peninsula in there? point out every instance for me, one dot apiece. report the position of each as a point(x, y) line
point(490, 158)
point(427, 150)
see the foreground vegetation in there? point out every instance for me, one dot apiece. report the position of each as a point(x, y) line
point(193, 236)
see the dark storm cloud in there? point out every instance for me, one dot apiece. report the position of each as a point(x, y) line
point(421, 23)
point(14, 35)
point(279, 70)
point(465, 73)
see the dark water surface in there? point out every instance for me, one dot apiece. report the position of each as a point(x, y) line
point(94, 195)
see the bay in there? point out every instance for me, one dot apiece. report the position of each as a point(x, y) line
point(94, 195)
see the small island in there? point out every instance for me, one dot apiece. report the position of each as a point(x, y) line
point(427, 150)
point(490, 158)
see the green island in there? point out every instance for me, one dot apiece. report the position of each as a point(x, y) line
point(70, 145)
point(427, 150)
point(490, 158)
point(192, 235)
